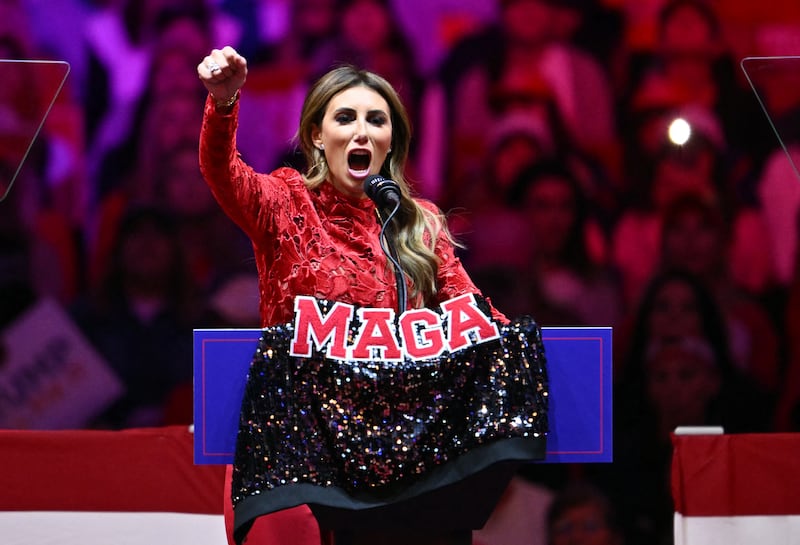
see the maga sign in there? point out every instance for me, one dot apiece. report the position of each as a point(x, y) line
point(420, 333)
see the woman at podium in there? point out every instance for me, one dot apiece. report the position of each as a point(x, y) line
point(386, 393)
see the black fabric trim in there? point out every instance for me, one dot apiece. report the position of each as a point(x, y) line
point(459, 495)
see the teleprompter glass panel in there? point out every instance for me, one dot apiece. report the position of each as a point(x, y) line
point(776, 84)
point(28, 92)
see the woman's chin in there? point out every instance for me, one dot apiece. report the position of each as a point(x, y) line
point(351, 186)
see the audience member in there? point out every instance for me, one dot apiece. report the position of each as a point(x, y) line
point(677, 371)
point(581, 514)
point(515, 141)
point(519, 517)
point(568, 247)
point(682, 385)
point(695, 238)
point(214, 247)
point(482, 210)
point(17, 292)
point(560, 280)
point(571, 65)
point(141, 316)
point(676, 305)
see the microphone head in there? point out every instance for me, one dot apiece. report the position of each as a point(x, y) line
point(382, 191)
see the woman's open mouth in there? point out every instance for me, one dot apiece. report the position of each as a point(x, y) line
point(358, 162)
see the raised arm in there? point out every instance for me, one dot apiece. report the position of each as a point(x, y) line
point(247, 197)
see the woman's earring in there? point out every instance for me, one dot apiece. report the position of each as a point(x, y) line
point(322, 147)
point(389, 150)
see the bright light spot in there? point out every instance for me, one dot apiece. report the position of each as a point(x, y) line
point(679, 131)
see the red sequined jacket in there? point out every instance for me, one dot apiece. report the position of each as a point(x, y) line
point(316, 242)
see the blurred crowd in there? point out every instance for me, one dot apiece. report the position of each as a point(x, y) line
point(541, 128)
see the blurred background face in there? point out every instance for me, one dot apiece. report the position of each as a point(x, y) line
point(366, 24)
point(693, 243)
point(176, 121)
point(171, 76)
point(675, 313)
point(314, 17)
point(147, 255)
point(686, 36)
point(677, 173)
point(184, 189)
point(681, 385)
point(187, 37)
point(582, 525)
point(528, 22)
point(550, 208)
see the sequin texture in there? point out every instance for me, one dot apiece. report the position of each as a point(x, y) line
point(376, 425)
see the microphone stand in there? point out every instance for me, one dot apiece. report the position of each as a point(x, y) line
point(391, 253)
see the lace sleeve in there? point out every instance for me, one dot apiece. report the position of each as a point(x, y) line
point(247, 197)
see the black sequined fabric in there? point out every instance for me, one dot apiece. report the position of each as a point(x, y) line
point(361, 433)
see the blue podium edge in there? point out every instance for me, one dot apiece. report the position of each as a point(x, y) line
point(579, 367)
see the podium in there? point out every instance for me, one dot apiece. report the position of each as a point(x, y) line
point(736, 489)
point(579, 366)
point(95, 487)
point(579, 413)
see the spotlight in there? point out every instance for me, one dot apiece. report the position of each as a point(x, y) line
point(679, 131)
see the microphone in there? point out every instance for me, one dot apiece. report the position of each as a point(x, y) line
point(385, 193)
